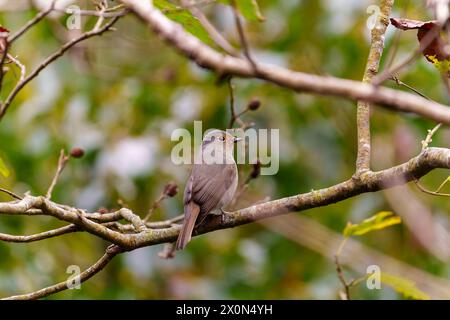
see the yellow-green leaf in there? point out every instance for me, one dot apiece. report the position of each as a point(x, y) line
point(249, 9)
point(379, 221)
point(3, 169)
point(185, 18)
point(443, 66)
point(404, 286)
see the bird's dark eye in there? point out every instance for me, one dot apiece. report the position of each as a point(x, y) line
point(212, 138)
point(222, 138)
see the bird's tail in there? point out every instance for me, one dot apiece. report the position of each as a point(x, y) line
point(191, 211)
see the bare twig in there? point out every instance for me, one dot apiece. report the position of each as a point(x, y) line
point(401, 83)
point(433, 193)
point(21, 84)
point(23, 69)
point(430, 135)
point(154, 206)
point(110, 253)
point(39, 236)
point(341, 276)
point(170, 190)
point(242, 37)
point(62, 161)
point(442, 185)
point(234, 116)
point(12, 194)
point(425, 144)
point(340, 272)
point(41, 15)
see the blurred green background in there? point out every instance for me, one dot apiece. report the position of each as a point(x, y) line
point(121, 95)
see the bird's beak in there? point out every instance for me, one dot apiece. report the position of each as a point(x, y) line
point(236, 139)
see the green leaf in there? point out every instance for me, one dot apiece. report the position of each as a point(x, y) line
point(185, 18)
point(249, 9)
point(379, 221)
point(4, 171)
point(403, 286)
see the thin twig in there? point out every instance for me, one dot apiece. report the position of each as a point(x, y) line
point(110, 253)
point(155, 205)
point(342, 278)
point(39, 236)
point(401, 83)
point(12, 194)
point(234, 117)
point(170, 190)
point(41, 15)
point(429, 136)
point(442, 185)
point(23, 69)
point(425, 143)
point(61, 165)
point(103, 6)
point(340, 272)
point(21, 84)
point(242, 37)
point(433, 193)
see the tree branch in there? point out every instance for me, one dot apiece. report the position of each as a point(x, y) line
point(426, 161)
point(21, 84)
point(208, 58)
point(110, 253)
point(167, 231)
point(41, 15)
point(363, 107)
point(39, 236)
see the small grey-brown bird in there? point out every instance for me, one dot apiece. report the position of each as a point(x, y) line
point(211, 185)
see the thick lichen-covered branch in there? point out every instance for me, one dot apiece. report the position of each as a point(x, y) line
point(139, 235)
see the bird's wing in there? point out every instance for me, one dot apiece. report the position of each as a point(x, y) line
point(209, 184)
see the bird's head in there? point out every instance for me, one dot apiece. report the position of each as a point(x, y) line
point(219, 137)
point(218, 144)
